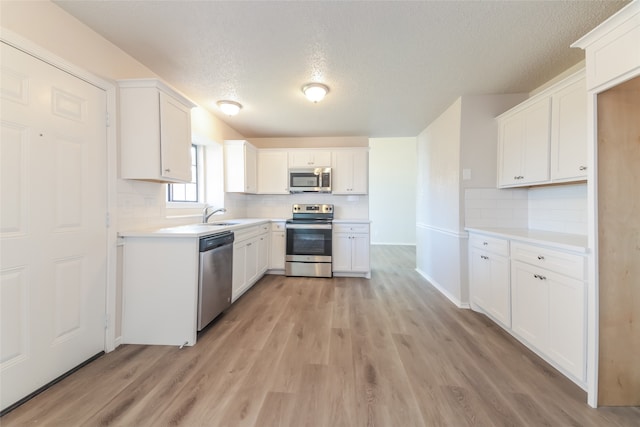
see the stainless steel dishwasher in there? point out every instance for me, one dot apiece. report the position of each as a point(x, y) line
point(215, 277)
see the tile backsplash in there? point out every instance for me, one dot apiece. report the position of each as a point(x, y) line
point(490, 207)
point(559, 208)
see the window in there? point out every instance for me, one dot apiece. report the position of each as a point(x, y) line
point(189, 192)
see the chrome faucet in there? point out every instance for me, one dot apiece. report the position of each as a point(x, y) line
point(206, 215)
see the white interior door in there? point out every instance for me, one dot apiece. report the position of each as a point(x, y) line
point(53, 204)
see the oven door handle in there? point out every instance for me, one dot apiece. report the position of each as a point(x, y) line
point(309, 226)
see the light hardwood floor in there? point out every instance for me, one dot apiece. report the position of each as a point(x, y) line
point(390, 351)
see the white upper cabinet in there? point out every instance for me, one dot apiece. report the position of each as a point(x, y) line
point(524, 145)
point(309, 158)
point(240, 167)
point(569, 132)
point(350, 173)
point(543, 140)
point(155, 132)
point(273, 172)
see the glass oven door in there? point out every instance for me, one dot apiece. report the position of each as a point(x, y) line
point(308, 242)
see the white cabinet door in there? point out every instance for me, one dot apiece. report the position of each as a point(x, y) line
point(479, 278)
point(263, 253)
point(240, 164)
point(175, 139)
point(309, 158)
point(523, 147)
point(251, 261)
point(278, 247)
point(567, 343)
point(350, 172)
point(569, 133)
point(341, 248)
point(510, 148)
point(360, 253)
point(530, 304)
point(490, 287)
point(239, 282)
point(251, 169)
point(273, 172)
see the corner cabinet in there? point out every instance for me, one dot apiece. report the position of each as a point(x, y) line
point(350, 249)
point(240, 167)
point(535, 292)
point(543, 140)
point(155, 132)
point(350, 171)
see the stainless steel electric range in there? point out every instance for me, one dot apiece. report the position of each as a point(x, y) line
point(309, 241)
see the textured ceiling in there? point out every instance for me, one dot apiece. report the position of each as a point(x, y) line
point(392, 66)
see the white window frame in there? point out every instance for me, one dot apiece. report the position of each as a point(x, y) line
point(200, 184)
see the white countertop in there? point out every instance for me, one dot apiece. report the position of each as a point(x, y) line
point(571, 242)
point(199, 230)
point(195, 230)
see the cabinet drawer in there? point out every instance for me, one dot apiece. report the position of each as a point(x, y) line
point(490, 244)
point(572, 265)
point(264, 228)
point(246, 233)
point(351, 228)
point(277, 226)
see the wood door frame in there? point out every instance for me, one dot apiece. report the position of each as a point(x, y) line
point(31, 48)
point(593, 306)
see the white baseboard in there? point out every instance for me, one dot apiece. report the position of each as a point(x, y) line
point(444, 291)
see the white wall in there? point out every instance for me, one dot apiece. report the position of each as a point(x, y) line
point(438, 249)
point(457, 151)
point(392, 190)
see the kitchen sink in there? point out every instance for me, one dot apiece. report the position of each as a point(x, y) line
point(222, 224)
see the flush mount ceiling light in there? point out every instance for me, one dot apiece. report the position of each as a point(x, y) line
point(315, 92)
point(230, 108)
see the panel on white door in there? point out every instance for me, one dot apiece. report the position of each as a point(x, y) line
point(14, 304)
point(13, 152)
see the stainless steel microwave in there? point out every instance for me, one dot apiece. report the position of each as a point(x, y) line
point(310, 180)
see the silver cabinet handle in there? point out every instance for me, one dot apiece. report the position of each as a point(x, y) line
point(167, 170)
point(540, 257)
point(583, 168)
point(538, 276)
point(484, 257)
point(485, 243)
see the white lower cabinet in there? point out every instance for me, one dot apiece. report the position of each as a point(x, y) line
point(350, 250)
point(549, 307)
point(535, 292)
point(250, 257)
point(489, 283)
